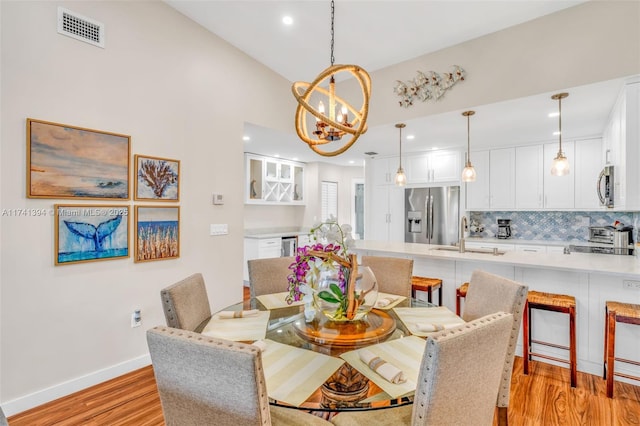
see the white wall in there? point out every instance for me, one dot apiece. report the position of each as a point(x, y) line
point(181, 93)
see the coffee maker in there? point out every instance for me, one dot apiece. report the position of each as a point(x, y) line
point(504, 228)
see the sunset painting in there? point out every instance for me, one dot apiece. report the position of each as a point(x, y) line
point(72, 162)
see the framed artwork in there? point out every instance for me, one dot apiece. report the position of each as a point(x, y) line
point(157, 233)
point(157, 179)
point(72, 162)
point(85, 233)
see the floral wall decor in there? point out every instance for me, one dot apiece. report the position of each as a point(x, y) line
point(427, 85)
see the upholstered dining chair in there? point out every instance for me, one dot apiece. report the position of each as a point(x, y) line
point(488, 293)
point(268, 276)
point(393, 273)
point(207, 381)
point(458, 381)
point(185, 303)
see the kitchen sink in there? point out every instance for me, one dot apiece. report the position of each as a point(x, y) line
point(494, 252)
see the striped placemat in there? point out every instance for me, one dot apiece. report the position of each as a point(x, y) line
point(438, 315)
point(293, 374)
point(394, 299)
point(238, 329)
point(405, 353)
point(276, 300)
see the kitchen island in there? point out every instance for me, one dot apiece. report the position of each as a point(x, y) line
point(591, 278)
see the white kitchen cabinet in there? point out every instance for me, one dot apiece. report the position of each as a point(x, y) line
point(494, 187)
point(273, 181)
point(529, 181)
point(387, 214)
point(384, 170)
point(433, 167)
point(502, 190)
point(588, 164)
point(260, 248)
point(556, 249)
point(621, 137)
point(526, 248)
point(559, 190)
point(489, 245)
point(478, 192)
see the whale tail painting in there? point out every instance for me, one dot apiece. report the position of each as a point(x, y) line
point(95, 233)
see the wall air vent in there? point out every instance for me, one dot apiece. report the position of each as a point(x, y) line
point(80, 27)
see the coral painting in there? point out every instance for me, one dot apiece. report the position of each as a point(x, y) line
point(71, 162)
point(85, 233)
point(157, 179)
point(157, 233)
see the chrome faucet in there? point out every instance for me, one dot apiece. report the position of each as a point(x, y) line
point(463, 226)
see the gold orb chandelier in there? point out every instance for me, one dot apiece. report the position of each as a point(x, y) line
point(341, 118)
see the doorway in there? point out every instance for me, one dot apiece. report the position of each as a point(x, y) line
point(357, 208)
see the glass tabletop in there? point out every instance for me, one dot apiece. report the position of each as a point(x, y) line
point(347, 388)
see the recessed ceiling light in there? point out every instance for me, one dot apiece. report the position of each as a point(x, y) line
point(287, 20)
point(554, 114)
point(295, 158)
point(276, 155)
point(246, 138)
point(410, 137)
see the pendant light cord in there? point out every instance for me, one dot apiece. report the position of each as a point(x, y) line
point(468, 144)
point(560, 124)
point(333, 8)
point(400, 141)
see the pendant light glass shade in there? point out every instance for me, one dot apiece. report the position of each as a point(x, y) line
point(401, 178)
point(469, 173)
point(560, 165)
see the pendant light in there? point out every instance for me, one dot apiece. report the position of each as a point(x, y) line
point(469, 173)
point(341, 119)
point(560, 163)
point(401, 178)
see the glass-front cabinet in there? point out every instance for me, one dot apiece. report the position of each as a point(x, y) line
point(273, 181)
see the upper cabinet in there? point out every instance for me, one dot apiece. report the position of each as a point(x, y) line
point(433, 167)
point(494, 187)
point(621, 142)
point(589, 162)
point(384, 170)
point(273, 181)
point(529, 177)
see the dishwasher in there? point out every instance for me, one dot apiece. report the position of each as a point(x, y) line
point(289, 245)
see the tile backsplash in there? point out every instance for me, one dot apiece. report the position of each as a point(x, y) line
point(552, 226)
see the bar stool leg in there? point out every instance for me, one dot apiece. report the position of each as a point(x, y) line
point(611, 344)
point(429, 294)
point(457, 302)
point(440, 295)
point(572, 346)
point(606, 344)
point(526, 337)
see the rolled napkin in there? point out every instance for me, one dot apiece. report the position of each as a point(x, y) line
point(427, 327)
point(238, 314)
point(386, 370)
point(385, 301)
point(260, 344)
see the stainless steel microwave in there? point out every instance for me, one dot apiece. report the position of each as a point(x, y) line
point(605, 187)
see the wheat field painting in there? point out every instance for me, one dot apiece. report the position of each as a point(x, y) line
point(73, 162)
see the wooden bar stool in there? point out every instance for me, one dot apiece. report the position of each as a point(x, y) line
point(617, 312)
point(556, 303)
point(428, 285)
point(461, 292)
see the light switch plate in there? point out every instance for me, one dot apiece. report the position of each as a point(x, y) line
point(218, 229)
point(218, 199)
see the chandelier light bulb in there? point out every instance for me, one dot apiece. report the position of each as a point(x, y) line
point(401, 178)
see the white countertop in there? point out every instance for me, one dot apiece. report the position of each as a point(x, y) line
point(264, 233)
point(583, 262)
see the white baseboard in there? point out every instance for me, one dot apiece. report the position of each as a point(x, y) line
point(35, 399)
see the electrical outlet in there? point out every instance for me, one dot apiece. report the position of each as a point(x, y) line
point(136, 318)
point(633, 285)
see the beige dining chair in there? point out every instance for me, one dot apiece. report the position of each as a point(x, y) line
point(458, 382)
point(268, 276)
point(207, 381)
point(488, 293)
point(393, 273)
point(186, 304)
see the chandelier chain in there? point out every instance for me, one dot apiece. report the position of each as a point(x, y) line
point(332, 33)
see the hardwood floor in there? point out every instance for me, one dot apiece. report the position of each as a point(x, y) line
point(544, 397)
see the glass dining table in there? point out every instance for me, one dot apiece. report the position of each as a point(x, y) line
point(291, 338)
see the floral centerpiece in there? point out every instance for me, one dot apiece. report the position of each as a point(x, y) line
point(326, 276)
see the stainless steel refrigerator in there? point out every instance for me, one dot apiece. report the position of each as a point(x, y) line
point(432, 215)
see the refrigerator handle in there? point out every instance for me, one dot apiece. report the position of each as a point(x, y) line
point(430, 218)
